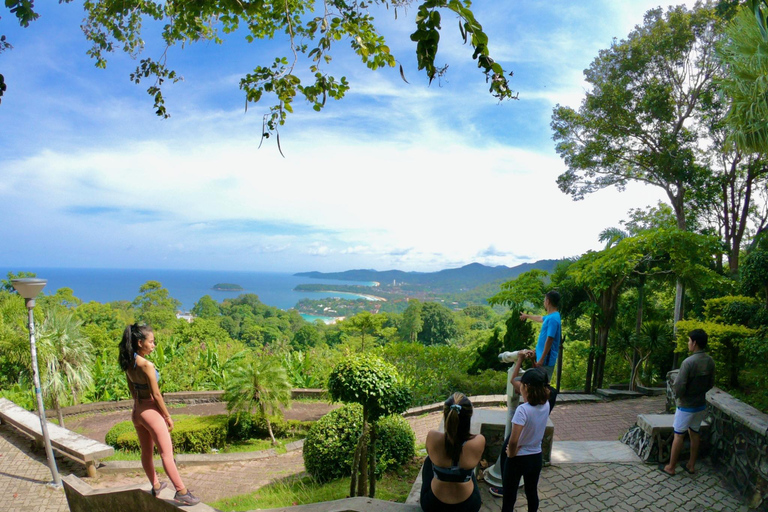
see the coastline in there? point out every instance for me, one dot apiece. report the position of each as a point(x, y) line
point(363, 295)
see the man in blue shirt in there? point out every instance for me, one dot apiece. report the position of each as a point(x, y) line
point(548, 346)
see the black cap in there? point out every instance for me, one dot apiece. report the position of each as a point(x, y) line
point(535, 376)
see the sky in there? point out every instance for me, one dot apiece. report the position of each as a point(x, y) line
point(396, 175)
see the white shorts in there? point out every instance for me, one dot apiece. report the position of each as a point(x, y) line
point(685, 420)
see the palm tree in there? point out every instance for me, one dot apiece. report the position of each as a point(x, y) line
point(67, 358)
point(259, 383)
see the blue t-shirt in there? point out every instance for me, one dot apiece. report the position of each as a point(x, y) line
point(550, 328)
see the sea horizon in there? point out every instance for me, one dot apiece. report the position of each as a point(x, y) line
point(187, 286)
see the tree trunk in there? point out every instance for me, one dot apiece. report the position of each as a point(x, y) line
point(269, 429)
point(356, 465)
point(591, 358)
point(57, 405)
point(638, 329)
point(372, 461)
point(602, 343)
point(362, 484)
point(679, 295)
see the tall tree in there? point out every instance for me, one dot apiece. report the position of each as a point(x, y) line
point(603, 274)
point(412, 323)
point(364, 323)
point(308, 37)
point(155, 306)
point(746, 77)
point(641, 119)
point(438, 327)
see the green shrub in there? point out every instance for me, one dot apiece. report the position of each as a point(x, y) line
point(331, 441)
point(191, 434)
point(724, 346)
point(239, 427)
point(736, 310)
point(118, 430)
point(395, 443)
point(487, 382)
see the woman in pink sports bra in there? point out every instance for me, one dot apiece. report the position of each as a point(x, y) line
point(150, 417)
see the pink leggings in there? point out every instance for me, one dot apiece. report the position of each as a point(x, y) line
point(152, 430)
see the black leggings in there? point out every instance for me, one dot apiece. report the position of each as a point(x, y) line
point(430, 503)
point(527, 467)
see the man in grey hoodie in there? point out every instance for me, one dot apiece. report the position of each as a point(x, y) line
point(696, 377)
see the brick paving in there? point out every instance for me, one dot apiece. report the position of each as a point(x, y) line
point(565, 487)
point(25, 476)
point(631, 487)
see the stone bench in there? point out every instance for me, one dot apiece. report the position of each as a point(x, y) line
point(68, 443)
point(652, 436)
point(491, 423)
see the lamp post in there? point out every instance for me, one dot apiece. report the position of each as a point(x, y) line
point(29, 288)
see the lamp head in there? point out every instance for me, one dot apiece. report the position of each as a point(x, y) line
point(29, 288)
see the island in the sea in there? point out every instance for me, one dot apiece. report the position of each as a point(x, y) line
point(228, 287)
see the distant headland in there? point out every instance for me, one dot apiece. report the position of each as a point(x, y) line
point(228, 287)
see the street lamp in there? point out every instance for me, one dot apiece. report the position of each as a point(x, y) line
point(29, 288)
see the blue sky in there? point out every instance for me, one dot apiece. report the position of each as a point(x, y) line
point(395, 175)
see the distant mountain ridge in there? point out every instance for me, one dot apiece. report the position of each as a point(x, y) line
point(453, 279)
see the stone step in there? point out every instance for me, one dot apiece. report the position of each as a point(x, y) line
point(618, 394)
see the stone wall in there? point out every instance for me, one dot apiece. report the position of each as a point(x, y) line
point(738, 443)
point(181, 397)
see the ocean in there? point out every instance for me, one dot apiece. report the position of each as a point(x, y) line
point(187, 286)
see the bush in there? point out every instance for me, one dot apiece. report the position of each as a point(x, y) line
point(724, 346)
point(736, 310)
point(192, 434)
point(395, 443)
point(487, 382)
point(121, 428)
point(249, 426)
point(331, 441)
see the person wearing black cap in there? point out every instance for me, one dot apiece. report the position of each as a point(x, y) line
point(523, 449)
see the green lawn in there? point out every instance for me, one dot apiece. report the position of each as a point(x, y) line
point(393, 486)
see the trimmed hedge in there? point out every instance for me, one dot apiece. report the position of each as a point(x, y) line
point(331, 441)
point(191, 434)
point(121, 428)
point(724, 345)
point(736, 310)
point(199, 434)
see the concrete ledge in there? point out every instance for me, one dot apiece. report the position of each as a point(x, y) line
point(659, 424)
point(738, 410)
point(81, 497)
point(618, 394)
point(651, 391)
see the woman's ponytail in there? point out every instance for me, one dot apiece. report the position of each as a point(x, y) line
point(125, 357)
point(457, 413)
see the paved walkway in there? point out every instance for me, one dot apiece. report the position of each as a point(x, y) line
point(24, 476)
point(626, 488)
point(572, 487)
